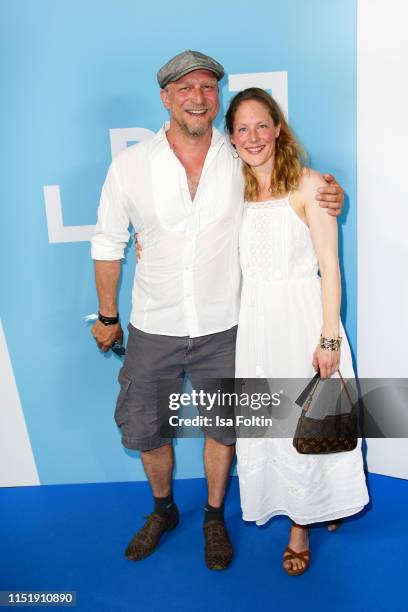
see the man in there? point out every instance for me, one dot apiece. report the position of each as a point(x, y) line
point(183, 192)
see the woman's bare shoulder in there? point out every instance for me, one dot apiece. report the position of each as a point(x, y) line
point(311, 177)
point(311, 180)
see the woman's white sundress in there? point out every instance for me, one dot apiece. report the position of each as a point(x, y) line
point(279, 326)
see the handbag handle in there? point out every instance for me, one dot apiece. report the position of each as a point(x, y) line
point(306, 391)
point(309, 398)
point(346, 390)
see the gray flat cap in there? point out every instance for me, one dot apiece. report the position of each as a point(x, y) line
point(186, 62)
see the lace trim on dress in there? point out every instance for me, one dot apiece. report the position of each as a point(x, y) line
point(269, 203)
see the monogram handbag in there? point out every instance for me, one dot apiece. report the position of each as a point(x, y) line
point(335, 427)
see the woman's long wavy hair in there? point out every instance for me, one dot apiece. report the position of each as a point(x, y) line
point(289, 155)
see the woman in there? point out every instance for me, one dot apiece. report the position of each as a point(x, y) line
point(285, 308)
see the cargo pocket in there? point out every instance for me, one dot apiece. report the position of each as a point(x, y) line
point(121, 411)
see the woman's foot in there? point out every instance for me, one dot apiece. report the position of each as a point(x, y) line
point(334, 525)
point(297, 555)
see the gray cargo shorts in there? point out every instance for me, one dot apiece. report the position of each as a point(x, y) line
point(155, 366)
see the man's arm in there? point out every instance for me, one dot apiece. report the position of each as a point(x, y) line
point(107, 275)
point(331, 196)
point(108, 245)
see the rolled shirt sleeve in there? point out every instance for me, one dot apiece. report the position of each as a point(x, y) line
point(112, 229)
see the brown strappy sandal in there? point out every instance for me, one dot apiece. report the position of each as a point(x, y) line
point(304, 556)
point(334, 525)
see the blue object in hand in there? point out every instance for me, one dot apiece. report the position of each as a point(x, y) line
point(118, 349)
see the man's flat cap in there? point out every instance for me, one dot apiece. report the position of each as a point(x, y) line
point(186, 62)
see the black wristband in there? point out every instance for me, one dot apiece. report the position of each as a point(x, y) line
point(108, 320)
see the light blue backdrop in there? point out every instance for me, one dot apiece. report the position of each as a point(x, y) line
point(73, 70)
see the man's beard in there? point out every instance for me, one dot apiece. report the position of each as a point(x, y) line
point(195, 131)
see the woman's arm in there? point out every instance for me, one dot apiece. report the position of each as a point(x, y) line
point(324, 233)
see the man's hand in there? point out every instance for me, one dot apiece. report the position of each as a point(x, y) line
point(107, 276)
point(105, 335)
point(331, 196)
point(138, 247)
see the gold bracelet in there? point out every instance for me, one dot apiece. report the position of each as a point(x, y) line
point(330, 344)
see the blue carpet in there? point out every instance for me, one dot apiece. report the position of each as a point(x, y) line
point(72, 538)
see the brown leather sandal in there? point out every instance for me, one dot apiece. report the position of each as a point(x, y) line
point(303, 556)
point(334, 525)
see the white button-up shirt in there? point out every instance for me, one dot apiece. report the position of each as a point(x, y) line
point(187, 282)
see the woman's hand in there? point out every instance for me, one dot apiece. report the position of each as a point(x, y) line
point(326, 361)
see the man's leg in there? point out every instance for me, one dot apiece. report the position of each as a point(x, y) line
point(152, 368)
point(213, 357)
point(158, 465)
point(218, 546)
point(217, 462)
